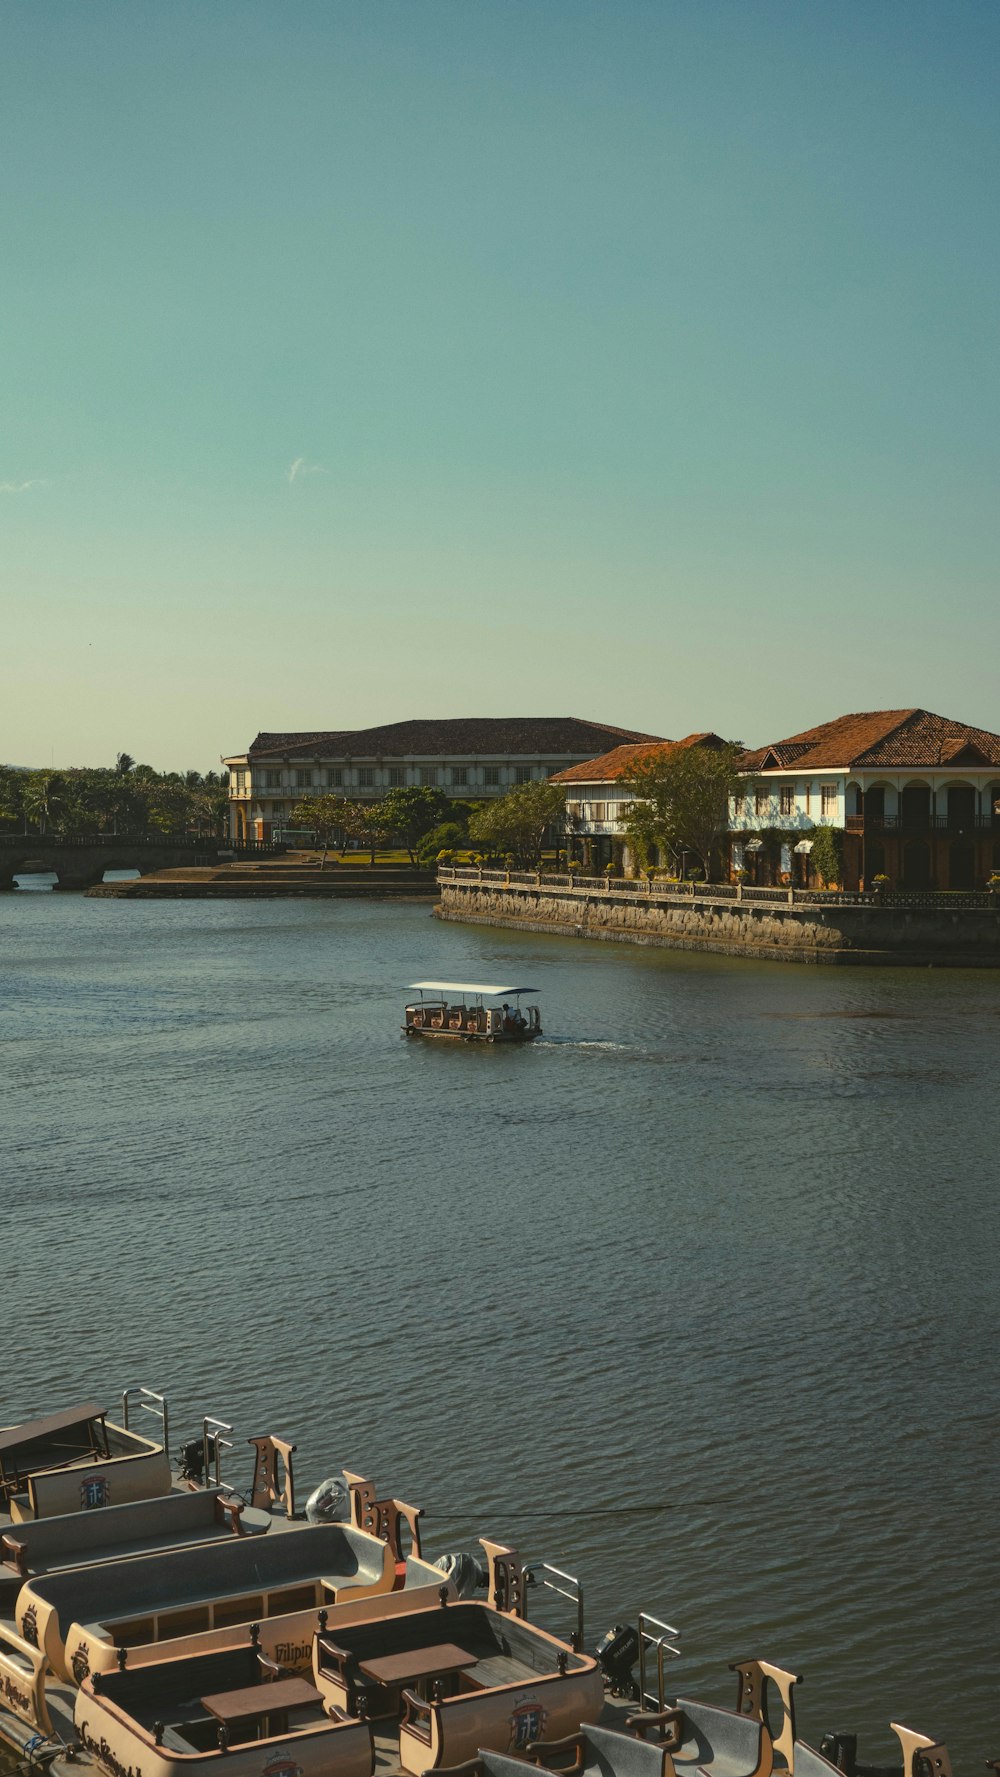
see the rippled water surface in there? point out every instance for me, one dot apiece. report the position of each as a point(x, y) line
point(698, 1297)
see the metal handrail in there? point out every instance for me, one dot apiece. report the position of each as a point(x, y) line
point(575, 1596)
point(212, 1429)
point(655, 1699)
point(148, 1401)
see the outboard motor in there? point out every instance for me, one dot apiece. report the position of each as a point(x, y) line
point(467, 1573)
point(330, 1502)
point(191, 1457)
point(616, 1654)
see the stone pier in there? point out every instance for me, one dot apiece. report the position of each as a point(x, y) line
point(777, 925)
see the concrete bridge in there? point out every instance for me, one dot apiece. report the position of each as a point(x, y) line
point(80, 862)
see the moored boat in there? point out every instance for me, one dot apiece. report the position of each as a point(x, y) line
point(472, 1013)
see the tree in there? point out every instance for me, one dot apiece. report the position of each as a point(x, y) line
point(365, 821)
point(517, 822)
point(681, 800)
point(11, 795)
point(123, 764)
point(448, 837)
point(327, 816)
point(413, 812)
point(42, 796)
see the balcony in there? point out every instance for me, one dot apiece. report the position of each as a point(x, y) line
point(935, 823)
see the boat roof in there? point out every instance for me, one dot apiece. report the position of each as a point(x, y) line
point(467, 987)
point(32, 1430)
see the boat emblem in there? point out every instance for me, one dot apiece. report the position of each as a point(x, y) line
point(29, 1625)
point(81, 1663)
point(526, 1723)
point(94, 1492)
point(281, 1764)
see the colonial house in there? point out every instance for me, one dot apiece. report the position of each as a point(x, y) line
point(471, 759)
point(598, 796)
point(911, 796)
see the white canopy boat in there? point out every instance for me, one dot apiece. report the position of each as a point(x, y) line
point(471, 1012)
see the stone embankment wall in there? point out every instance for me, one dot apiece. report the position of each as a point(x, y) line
point(824, 929)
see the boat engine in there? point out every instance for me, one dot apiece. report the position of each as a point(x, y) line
point(616, 1654)
point(467, 1573)
point(330, 1502)
point(191, 1458)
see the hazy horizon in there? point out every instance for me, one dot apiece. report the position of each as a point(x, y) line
point(370, 361)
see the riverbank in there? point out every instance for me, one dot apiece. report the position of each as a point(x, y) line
point(273, 878)
point(768, 925)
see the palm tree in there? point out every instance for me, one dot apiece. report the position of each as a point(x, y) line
point(42, 796)
point(124, 763)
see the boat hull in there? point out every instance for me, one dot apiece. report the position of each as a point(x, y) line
point(473, 1036)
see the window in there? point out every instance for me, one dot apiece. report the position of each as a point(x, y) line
point(828, 801)
point(522, 774)
point(491, 775)
point(366, 776)
point(762, 799)
point(459, 774)
point(335, 777)
point(787, 799)
point(397, 776)
point(428, 774)
point(272, 780)
point(600, 811)
point(303, 780)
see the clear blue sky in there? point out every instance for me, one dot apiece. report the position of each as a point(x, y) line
point(637, 357)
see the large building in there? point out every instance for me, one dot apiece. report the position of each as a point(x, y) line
point(916, 797)
point(470, 758)
point(598, 796)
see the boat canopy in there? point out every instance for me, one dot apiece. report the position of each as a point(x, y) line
point(448, 987)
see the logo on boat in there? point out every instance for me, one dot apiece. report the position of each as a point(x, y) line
point(94, 1492)
point(526, 1723)
point(105, 1755)
point(293, 1653)
point(17, 1698)
point(29, 1625)
point(81, 1663)
point(281, 1764)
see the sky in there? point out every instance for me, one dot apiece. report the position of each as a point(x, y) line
point(369, 359)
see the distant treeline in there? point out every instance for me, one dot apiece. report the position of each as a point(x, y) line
point(122, 798)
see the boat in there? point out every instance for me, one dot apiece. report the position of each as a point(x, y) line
point(471, 1012)
point(429, 1680)
point(75, 1461)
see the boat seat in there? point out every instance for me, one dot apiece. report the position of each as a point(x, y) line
point(716, 1741)
point(499, 1669)
point(177, 1742)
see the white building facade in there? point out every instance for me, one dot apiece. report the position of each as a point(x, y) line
point(474, 759)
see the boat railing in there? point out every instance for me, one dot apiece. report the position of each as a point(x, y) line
point(147, 1400)
point(657, 1643)
point(213, 1442)
point(566, 1585)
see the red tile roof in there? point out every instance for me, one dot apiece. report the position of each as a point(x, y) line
point(427, 737)
point(887, 738)
point(607, 768)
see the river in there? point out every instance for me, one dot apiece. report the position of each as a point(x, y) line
point(696, 1298)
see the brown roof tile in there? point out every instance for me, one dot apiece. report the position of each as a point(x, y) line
point(608, 768)
point(877, 737)
point(526, 736)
